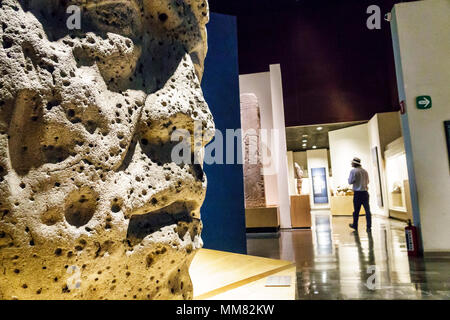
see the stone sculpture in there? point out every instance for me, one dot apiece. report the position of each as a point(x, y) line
point(91, 204)
point(254, 191)
point(299, 176)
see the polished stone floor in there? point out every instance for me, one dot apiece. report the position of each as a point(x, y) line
point(335, 263)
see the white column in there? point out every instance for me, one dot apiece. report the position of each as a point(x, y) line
point(280, 147)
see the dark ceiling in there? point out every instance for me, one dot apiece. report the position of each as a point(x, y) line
point(246, 7)
point(334, 68)
point(296, 136)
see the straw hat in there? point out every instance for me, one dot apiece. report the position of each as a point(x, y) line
point(356, 161)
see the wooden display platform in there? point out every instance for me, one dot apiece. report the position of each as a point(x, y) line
point(223, 275)
point(343, 206)
point(262, 218)
point(300, 211)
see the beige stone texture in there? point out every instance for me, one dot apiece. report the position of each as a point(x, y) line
point(251, 125)
point(91, 204)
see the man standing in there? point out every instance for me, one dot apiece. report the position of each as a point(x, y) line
point(359, 178)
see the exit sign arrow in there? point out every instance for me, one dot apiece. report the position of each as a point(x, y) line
point(424, 102)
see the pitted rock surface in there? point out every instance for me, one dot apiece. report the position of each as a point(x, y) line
point(91, 204)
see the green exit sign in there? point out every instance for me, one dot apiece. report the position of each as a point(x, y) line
point(424, 102)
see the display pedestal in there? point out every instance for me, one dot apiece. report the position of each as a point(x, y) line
point(300, 211)
point(262, 219)
point(343, 206)
point(218, 275)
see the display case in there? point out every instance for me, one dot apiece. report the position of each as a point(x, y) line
point(342, 201)
point(397, 177)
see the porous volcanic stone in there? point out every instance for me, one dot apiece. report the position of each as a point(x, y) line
point(91, 204)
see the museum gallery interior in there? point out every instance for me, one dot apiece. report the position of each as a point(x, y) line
point(241, 149)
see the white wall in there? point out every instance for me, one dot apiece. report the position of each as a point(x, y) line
point(421, 40)
point(318, 159)
point(383, 129)
point(259, 84)
point(345, 144)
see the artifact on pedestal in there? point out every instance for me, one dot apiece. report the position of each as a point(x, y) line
point(91, 204)
point(344, 190)
point(299, 176)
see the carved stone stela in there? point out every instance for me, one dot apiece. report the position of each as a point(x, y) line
point(253, 179)
point(91, 204)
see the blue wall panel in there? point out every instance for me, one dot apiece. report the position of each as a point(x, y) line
point(223, 212)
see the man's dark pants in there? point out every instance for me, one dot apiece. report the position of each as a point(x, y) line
point(361, 198)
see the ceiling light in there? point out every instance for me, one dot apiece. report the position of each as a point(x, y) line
point(305, 135)
point(314, 147)
point(305, 140)
point(304, 145)
point(319, 128)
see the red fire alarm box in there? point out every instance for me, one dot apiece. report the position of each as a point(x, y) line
point(412, 240)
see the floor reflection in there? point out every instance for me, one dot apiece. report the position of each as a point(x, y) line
point(335, 263)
